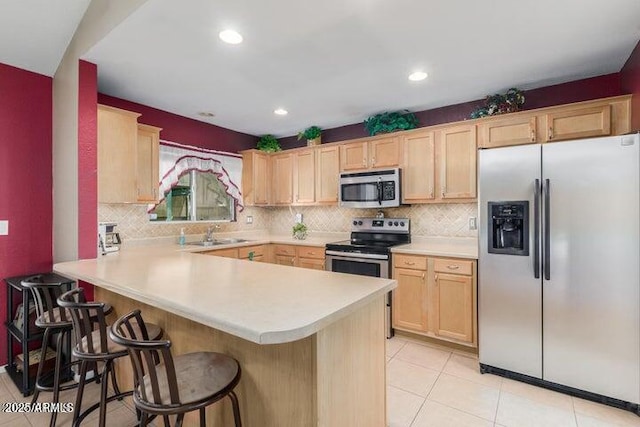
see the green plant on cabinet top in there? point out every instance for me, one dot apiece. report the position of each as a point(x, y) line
point(268, 143)
point(390, 122)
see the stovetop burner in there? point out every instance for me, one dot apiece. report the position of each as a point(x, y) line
point(374, 236)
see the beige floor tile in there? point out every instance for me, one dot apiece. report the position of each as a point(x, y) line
point(14, 420)
point(423, 355)
point(394, 345)
point(605, 413)
point(465, 395)
point(121, 416)
point(538, 394)
point(409, 377)
point(433, 414)
point(587, 421)
point(402, 407)
point(517, 411)
point(467, 367)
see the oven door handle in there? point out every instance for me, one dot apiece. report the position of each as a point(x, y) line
point(349, 255)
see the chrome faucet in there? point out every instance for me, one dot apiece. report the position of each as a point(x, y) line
point(209, 236)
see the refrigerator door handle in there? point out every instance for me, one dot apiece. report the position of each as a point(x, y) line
point(536, 229)
point(547, 231)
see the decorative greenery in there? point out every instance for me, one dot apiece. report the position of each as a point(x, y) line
point(390, 122)
point(300, 231)
point(510, 102)
point(268, 143)
point(310, 133)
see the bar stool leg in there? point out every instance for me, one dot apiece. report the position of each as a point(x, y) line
point(203, 418)
point(56, 376)
point(236, 409)
point(43, 352)
point(179, 420)
point(143, 419)
point(103, 393)
point(83, 377)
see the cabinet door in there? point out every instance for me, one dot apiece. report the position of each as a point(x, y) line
point(453, 306)
point(312, 263)
point(261, 179)
point(285, 260)
point(282, 179)
point(327, 174)
point(458, 162)
point(384, 153)
point(117, 136)
point(353, 156)
point(510, 131)
point(304, 177)
point(225, 253)
point(410, 300)
point(418, 168)
point(147, 163)
point(579, 123)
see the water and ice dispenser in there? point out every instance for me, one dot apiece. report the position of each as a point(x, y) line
point(509, 228)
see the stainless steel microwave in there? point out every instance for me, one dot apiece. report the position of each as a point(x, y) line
point(370, 189)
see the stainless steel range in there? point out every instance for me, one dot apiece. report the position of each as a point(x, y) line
point(368, 252)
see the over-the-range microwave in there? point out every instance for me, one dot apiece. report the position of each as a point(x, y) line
point(370, 189)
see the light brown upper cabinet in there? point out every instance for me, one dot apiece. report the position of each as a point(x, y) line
point(327, 174)
point(304, 176)
point(282, 165)
point(256, 177)
point(418, 167)
point(379, 152)
point(117, 153)
point(579, 123)
point(514, 130)
point(147, 178)
point(457, 162)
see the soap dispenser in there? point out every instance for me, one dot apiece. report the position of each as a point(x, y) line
point(181, 239)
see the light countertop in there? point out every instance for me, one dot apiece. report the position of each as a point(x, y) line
point(455, 247)
point(260, 302)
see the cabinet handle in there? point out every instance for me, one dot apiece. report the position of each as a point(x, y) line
point(443, 190)
point(430, 191)
point(293, 260)
point(453, 267)
point(533, 135)
point(550, 132)
point(436, 279)
point(373, 161)
point(364, 162)
point(410, 263)
point(423, 274)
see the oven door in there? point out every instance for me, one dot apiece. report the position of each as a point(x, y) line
point(362, 264)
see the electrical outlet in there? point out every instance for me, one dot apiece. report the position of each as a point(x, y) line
point(4, 228)
point(249, 219)
point(299, 217)
point(473, 223)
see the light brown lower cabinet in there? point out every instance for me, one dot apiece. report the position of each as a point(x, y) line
point(436, 297)
point(284, 260)
point(225, 253)
point(299, 256)
point(252, 253)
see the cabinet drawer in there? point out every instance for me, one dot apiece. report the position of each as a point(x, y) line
point(284, 250)
point(414, 262)
point(453, 266)
point(226, 253)
point(311, 252)
point(243, 252)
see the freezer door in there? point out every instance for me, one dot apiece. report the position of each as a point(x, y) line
point(591, 303)
point(509, 294)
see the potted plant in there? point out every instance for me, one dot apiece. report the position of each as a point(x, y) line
point(390, 122)
point(268, 143)
point(300, 231)
point(510, 102)
point(312, 135)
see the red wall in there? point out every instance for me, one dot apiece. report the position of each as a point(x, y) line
point(25, 177)
point(575, 91)
point(630, 77)
point(184, 130)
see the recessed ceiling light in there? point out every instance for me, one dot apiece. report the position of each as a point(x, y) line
point(280, 112)
point(417, 76)
point(230, 36)
point(205, 114)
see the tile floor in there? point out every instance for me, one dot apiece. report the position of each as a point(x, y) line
point(428, 385)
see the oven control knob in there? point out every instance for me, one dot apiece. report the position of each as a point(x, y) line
point(355, 222)
point(390, 223)
point(359, 222)
point(401, 223)
point(395, 223)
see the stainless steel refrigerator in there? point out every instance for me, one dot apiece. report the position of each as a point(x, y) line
point(559, 265)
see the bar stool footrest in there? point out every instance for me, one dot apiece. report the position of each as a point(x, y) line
point(95, 406)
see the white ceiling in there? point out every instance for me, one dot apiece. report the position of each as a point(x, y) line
point(34, 34)
point(336, 62)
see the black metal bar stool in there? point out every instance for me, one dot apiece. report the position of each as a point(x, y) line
point(93, 345)
point(169, 385)
point(54, 320)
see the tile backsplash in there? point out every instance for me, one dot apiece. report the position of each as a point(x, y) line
point(447, 220)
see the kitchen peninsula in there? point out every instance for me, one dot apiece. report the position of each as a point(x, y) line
point(311, 344)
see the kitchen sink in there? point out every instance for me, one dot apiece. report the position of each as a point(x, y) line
point(231, 240)
point(216, 242)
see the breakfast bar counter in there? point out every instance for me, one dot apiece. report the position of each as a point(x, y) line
point(311, 344)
